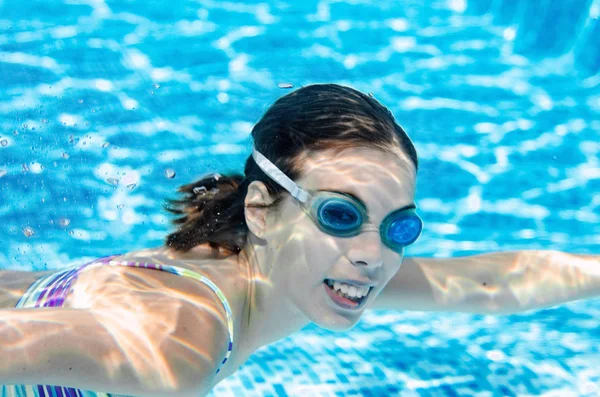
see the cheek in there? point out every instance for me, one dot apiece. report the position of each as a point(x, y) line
point(305, 253)
point(319, 250)
point(392, 267)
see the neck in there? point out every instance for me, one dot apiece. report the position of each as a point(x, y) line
point(269, 315)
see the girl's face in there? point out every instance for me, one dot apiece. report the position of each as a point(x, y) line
point(304, 257)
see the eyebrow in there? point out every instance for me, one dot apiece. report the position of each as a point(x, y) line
point(355, 197)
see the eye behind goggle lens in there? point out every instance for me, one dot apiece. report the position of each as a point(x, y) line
point(405, 230)
point(339, 217)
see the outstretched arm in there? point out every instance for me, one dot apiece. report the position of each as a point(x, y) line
point(493, 283)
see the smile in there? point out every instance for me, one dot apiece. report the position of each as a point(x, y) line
point(345, 295)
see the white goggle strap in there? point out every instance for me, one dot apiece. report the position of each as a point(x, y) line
point(275, 173)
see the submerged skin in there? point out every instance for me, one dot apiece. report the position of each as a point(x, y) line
point(275, 285)
point(293, 257)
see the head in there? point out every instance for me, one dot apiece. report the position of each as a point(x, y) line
point(323, 137)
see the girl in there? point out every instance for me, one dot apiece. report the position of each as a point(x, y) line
point(314, 231)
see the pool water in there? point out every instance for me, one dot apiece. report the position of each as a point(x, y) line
point(106, 107)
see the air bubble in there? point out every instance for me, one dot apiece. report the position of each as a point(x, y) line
point(170, 173)
point(120, 206)
point(4, 142)
point(156, 86)
point(45, 121)
point(285, 85)
point(105, 145)
point(112, 181)
point(65, 155)
point(64, 222)
point(28, 232)
point(131, 186)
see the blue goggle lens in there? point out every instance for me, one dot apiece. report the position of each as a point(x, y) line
point(338, 216)
point(404, 230)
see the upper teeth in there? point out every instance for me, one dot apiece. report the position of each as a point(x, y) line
point(351, 290)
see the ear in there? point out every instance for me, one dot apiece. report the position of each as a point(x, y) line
point(256, 217)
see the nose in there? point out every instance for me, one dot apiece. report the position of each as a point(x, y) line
point(366, 250)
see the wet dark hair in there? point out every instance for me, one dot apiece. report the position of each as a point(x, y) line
point(312, 118)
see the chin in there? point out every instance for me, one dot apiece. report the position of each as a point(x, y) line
point(337, 323)
point(319, 312)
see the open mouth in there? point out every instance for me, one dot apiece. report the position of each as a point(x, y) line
point(348, 297)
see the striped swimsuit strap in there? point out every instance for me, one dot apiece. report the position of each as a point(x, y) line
point(51, 290)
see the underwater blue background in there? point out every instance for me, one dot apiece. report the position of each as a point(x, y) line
point(106, 107)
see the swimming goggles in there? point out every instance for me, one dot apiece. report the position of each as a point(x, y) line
point(340, 215)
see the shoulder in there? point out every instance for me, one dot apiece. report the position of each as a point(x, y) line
point(180, 317)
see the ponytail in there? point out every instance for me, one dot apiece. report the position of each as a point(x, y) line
point(211, 211)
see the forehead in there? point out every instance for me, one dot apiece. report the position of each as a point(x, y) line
point(382, 180)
